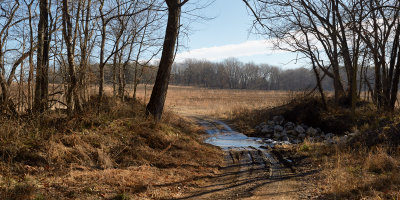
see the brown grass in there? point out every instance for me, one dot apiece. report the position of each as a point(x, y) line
point(190, 101)
point(90, 156)
point(355, 174)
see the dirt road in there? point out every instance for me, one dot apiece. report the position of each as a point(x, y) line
point(251, 170)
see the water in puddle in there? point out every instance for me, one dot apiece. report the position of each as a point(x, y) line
point(221, 135)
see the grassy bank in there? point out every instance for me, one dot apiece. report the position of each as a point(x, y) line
point(365, 166)
point(118, 153)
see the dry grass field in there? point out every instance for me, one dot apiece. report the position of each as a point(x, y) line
point(190, 101)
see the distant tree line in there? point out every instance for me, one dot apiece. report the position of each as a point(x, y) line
point(233, 74)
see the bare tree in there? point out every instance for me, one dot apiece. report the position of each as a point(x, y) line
point(42, 78)
point(155, 106)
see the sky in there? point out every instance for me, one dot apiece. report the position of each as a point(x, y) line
point(228, 35)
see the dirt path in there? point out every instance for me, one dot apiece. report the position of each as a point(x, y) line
point(251, 171)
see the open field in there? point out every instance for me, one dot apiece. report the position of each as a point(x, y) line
point(188, 101)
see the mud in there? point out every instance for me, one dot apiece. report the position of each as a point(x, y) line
point(252, 170)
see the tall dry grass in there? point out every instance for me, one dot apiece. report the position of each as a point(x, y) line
point(348, 173)
point(99, 156)
point(189, 101)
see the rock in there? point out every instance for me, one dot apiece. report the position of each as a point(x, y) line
point(305, 127)
point(267, 129)
point(268, 141)
point(328, 136)
point(343, 139)
point(278, 119)
point(311, 131)
point(318, 139)
point(318, 130)
point(268, 135)
point(299, 129)
point(329, 141)
point(286, 142)
point(277, 135)
point(296, 141)
point(285, 138)
point(278, 128)
point(302, 135)
point(291, 132)
point(263, 124)
point(271, 122)
point(289, 126)
point(353, 134)
point(284, 133)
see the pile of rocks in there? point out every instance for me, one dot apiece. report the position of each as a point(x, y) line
point(279, 130)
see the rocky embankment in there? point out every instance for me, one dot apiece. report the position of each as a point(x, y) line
point(278, 129)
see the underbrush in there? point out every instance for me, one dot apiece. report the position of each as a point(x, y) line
point(115, 152)
point(365, 166)
point(348, 173)
point(308, 109)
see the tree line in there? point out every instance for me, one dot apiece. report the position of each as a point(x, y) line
point(233, 74)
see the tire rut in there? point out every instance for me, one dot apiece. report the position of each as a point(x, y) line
point(246, 168)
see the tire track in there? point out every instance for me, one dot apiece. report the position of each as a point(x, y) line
point(248, 165)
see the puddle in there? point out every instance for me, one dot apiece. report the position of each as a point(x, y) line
point(221, 135)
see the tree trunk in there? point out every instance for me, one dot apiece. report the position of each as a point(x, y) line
point(156, 104)
point(72, 80)
point(30, 75)
point(101, 64)
point(395, 84)
point(42, 77)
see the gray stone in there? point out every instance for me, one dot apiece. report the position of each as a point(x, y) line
point(268, 135)
point(329, 141)
point(267, 129)
point(285, 138)
point(318, 139)
point(263, 124)
point(302, 135)
point(271, 122)
point(268, 141)
point(353, 134)
point(343, 139)
point(311, 131)
point(299, 129)
point(277, 135)
point(291, 132)
point(296, 141)
point(278, 119)
point(290, 126)
point(284, 133)
point(278, 128)
point(328, 136)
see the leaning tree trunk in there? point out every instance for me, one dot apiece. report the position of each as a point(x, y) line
point(156, 104)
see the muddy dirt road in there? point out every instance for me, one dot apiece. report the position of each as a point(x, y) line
point(251, 170)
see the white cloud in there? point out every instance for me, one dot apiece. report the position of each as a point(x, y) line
point(217, 53)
